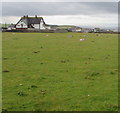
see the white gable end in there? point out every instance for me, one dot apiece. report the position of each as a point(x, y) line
point(36, 26)
point(22, 24)
point(42, 26)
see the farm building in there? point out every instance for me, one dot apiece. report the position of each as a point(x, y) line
point(11, 27)
point(75, 29)
point(98, 30)
point(32, 23)
point(87, 30)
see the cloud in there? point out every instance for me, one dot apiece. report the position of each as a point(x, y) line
point(79, 20)
point(55, 8)
point(94, 14)
point(61, 0)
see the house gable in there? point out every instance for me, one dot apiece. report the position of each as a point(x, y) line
point(22, 24)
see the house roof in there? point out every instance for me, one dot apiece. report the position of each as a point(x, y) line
point(32, 20)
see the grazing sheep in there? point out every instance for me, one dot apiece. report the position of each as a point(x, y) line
point(21, 84)
point(82, 39)
point(88, 95)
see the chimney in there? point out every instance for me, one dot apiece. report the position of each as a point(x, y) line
point(35, 16)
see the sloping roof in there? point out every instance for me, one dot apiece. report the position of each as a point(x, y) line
point(31, 20)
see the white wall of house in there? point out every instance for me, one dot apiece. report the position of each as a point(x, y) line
point(10, 28)
point(22, 24)
point(36, 26)
point(42, 26)
point(78, 30)
point(39, 26)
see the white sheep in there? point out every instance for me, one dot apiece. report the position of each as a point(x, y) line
point(82, 39)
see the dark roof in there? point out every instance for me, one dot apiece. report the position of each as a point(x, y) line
point(34, 20)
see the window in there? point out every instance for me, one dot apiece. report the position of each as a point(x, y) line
point(21, 25)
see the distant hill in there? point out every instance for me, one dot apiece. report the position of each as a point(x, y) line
point(65, 26)
point(4, 25)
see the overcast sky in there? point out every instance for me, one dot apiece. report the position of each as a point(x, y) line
point(90, 14)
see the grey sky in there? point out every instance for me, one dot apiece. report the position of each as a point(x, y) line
point(76, 8)
point(94, 14)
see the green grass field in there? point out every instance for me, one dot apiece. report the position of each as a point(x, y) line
point(58, 72)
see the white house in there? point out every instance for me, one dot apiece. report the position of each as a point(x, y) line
point(31, 23)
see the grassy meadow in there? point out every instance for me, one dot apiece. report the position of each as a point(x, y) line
point(58, 72)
